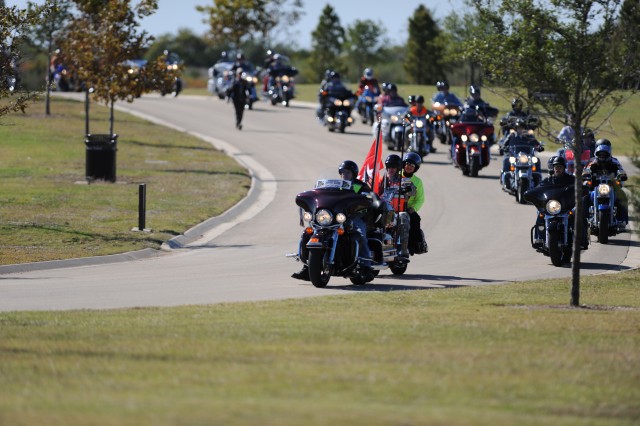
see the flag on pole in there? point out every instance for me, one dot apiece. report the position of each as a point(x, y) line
point(372, 166)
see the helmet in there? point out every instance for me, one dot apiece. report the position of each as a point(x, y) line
point(368, 73)
point(334, 74)
point(441, 85)
point(474, 90)
point(420, 99)
point(413, 158)
point(327, 73)
point(603, 142)
point(239, 71)
point(394, 161)
point(603, 152)
point(349, 165)
point(411, 99)
point(550, 164)
point(557, 160)
point(276, 56)
point(521, 123)
point(391, 87)
point(516, 104)
point(587, 132)
point(385, 87)
point(239, 56)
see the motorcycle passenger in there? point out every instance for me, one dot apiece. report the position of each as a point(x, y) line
point(603, 164)
point(384, 97)
point(410, 165)
point(349, 171)
point(589, 140)
point(520, 137)
point(238, 94)
point(444, 95)
point(394, 193)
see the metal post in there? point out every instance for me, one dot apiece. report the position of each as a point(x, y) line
point(142, 206)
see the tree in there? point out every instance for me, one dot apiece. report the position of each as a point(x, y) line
point(579, 51)
point(100, 39)
point(234, 21)
point(45, 33)
point(364, 39)
point(15, 25)
point(423, 62)
point(326, 43)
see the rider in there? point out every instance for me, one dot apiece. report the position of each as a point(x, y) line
point(397, 194)
point(349, 171)
point(410, 165)
point(368, 80)
point(419, 109)
point(394, 99)
point(507, 122)
point(444, 95)
point(332, 87)
point(603, 164)
point(476, 101)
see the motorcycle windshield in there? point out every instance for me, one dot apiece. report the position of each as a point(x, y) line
point(540, 195)
point(395, 110)
point(459, 129)
point(524, 149)
point(333, 199)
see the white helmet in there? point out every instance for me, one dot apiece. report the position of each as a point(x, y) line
point(368, 73)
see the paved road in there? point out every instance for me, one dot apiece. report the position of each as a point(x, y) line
point(477, 234)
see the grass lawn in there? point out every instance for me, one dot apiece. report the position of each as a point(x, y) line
point(48, 212)
point(512, 354)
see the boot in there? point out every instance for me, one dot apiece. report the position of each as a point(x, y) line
point(303, 274)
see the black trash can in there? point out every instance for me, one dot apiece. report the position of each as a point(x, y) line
point(101, 157)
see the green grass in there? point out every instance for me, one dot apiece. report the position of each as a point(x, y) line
point(48, 212)
point(491, 355)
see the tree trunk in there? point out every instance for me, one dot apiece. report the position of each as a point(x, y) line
point(111, 119)
point(578, 228)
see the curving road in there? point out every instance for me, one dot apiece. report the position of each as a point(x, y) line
point(477, 234)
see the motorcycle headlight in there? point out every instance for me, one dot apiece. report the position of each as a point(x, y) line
point(346, 102)
point(324, 217)
point(453, 112)
point(553, 207)
point(341, 218)
point(523, 159)
point(464, 138)
point(534, 160)
point(603, 190)
point(394, 118)
point(474, 137)
point(249, 78)
point(512, 160)
point(307, 216)
point(255, 80)
point(337, 102)
point(483, 138)
point(285, 79)
point(419, 124)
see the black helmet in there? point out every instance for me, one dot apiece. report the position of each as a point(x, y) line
point(516, 104)
point(474, 90)
point(587, 132)
point(440, 85)
point(391, 87)
point(385, 87)
point(603, 142)
point(559, 160)
point(394, 161)
point(327, 73)
point(603, 152)
point(413, 158)
point(349, 165)
point(420, 99)
point(334, 74)
point(239, 56)
point(411, 99)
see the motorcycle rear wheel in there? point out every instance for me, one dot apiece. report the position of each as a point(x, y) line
point(319, 277)
point(603, 229)
point(398, 269)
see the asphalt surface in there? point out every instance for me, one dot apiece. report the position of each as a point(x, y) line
point(477, 234)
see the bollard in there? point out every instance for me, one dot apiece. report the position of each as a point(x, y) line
point(142, 205)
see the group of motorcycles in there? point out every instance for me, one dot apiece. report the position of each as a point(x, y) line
point(329, 246)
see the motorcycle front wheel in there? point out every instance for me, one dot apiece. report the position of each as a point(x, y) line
point(555, 252)
point(603, 228)
point(319, 277)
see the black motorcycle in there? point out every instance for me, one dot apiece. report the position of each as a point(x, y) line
point(329, 246)
point(556, 205)
point(174, 70)
point(337, 110)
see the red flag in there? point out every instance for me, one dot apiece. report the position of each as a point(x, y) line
point(373, 165)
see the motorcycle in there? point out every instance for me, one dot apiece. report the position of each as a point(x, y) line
point(418, 135)
point(251, 78)
point(602, 214)
point(366, 104)
point(329, 246)
point(282, 85)
point(337, 110)
point(470, 146)
point(174, 69)
point(446, 114)
point(556, 204)
point(392, 122)
point(524, 171)
point(567, 153)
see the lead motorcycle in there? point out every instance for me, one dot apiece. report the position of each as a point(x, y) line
point(337, 110)
point(470, 145)
point(329, 246)
point(602, 214)
point(554, 237)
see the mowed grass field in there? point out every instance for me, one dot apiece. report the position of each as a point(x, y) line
point(48, 212)
point(510, 354)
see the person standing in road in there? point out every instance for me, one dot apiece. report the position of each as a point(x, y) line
point(238, 94)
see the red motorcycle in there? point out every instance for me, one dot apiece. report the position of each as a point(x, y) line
point(472, 138)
